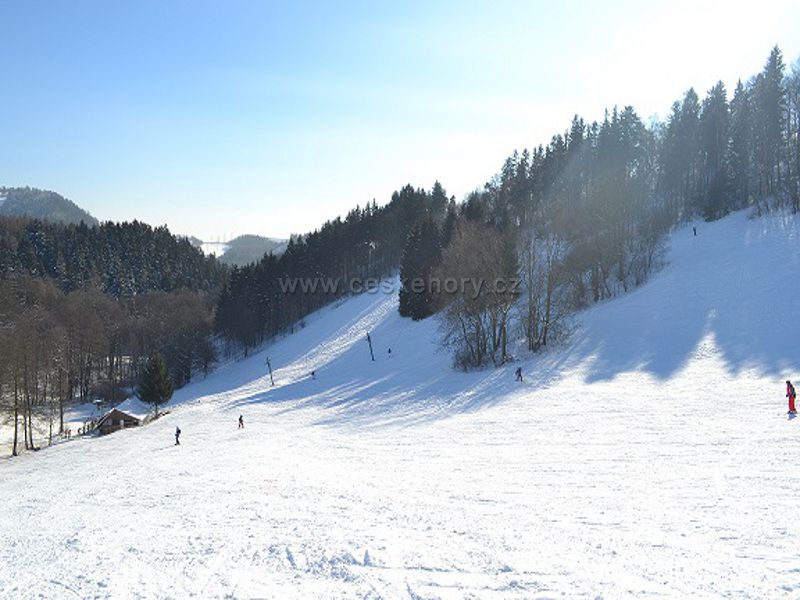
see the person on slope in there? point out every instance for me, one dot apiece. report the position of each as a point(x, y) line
point(177, 436)
point(791, 395)
point(518, 374)
point(241, 422)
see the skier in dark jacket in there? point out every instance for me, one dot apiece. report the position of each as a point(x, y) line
point(791, 395)
point(241, 422)
point(518, 373)
point(177, 436)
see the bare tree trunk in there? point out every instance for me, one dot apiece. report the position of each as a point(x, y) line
point(531, 331)
point(60, 401)
point(503, 338)
point(25, 407)
point(25, 428)
point(548, 304)
point(495, 325)
point(49, 407)
point(16, 416)
point(30, 425)
point(466, 338)
point(30, 399)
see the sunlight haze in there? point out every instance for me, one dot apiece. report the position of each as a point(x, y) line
point(217, 117)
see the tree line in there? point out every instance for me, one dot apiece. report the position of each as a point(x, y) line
point(573, 222)
point(326, 264)
point(82, 310)
point(121, 259)
point(561, 226)
point(583, 218)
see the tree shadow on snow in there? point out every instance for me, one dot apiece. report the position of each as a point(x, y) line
point(731, 285)
point(724, 291)
point(415, 385)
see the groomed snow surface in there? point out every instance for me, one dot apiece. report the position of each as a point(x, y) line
point(650, 456)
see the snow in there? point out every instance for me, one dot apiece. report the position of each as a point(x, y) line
point(214, 248)
point(136, 408)
point(651, 455)
point(75, 417)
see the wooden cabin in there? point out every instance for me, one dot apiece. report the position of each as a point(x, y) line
point(114, 420)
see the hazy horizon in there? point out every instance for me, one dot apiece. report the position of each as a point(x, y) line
point(225, 119)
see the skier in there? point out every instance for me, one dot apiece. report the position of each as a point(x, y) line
point(241, 422)
point(695, 231)
point(177, 436)
point(518, 373)
point(791, 395)
point(313, 374)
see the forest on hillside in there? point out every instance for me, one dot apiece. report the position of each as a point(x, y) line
point(570, 223)
point(367, 243)
point(83, 308)
point(33, 203)
point(561, 226)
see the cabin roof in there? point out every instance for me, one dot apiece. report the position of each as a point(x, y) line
point(118, 414)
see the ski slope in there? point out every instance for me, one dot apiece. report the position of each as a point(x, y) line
point(649, 456)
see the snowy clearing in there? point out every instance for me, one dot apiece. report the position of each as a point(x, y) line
point(650, 456)
point(214, 248)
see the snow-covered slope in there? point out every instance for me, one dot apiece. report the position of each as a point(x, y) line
point(651, 455)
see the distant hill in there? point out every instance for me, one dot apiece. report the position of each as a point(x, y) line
point(42, 204)
point(247, 249)
point(194, 241)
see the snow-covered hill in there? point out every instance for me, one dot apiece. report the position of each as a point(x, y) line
point(651, 455)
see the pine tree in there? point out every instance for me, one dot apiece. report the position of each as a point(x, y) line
point(690, 143)
point(770, 105)
point(438, 199)
point(448, 224)
point(714, 131)
point(740, 150)
point(421, 255)
point(793, 134)
point(155, 385)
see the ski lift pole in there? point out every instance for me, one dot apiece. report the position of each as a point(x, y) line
point(371, 353)
point(269, 366)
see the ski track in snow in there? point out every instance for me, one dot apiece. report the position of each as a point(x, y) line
point(651, 456)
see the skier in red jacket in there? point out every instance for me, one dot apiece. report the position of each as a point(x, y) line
point(791, 395)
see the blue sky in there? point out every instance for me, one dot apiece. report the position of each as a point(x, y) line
point(227, 117)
